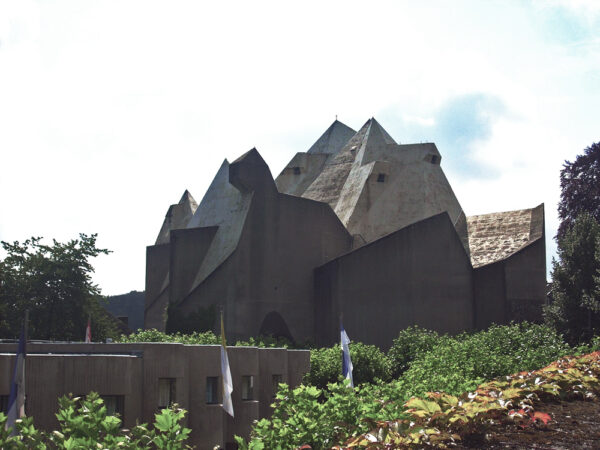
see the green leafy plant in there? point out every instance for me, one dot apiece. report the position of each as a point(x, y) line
point(370, 365)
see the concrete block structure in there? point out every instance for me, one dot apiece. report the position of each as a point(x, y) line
point(137, 380)
point(358, 225)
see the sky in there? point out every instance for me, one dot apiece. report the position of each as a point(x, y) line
point(110, 110)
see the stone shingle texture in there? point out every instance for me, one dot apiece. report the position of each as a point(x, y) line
point(493, 237)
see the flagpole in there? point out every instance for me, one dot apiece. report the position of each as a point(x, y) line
point(26, 326)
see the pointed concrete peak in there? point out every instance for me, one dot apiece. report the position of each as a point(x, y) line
point(333, 139)
point(385, 135)
point(251, 156)
point(187, 197)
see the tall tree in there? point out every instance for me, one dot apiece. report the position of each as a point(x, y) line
point(54, 283)
point(575, 310)
point(580, 188)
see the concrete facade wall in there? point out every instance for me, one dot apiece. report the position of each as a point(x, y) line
point(394, 283)
point(271, 270)
point(133, 371)
point(157, 273)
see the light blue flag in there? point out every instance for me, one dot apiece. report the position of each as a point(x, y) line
point(16, 399)
point(346, 361)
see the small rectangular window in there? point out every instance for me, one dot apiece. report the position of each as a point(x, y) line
point(115, 404)
point(381, 178)
point(296, 170)
point(275, 380)
point(434, 159)
point(4, 403)
point(247, 387)
point(166, 392)
point(212, 390)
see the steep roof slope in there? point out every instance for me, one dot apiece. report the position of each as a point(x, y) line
point(304, 167)
point(496, 236)
point(177, 217)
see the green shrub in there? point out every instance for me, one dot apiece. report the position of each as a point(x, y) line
point(85, 424)
point(152, 335)
point(322, 418)
point(265, 342)
point(370, 364)
point(461, 363)
point(409, 344)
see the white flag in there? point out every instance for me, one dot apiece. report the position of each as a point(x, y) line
point(346, 361)
point(226, 374)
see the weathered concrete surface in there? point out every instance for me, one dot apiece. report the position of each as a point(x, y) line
point(132, 371)
point(376, 186)
point(178, 215)
point(271, 270)
point(495, 236)
point(252, 248)
point(411, 288)
point(510, 278)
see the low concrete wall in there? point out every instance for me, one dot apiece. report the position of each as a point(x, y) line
point(132, 372)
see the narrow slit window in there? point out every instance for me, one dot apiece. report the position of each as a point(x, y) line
point(212, 390)
point(247, 387)
point(381, 178)
point(166, 392)
point(115, 404)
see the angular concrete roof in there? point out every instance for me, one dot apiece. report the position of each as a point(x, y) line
point(334, 138)
point(496, 236)
point(376, 186)
point(224, 206)
point(177, 217)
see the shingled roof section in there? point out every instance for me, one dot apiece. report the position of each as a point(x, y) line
point(493, 237)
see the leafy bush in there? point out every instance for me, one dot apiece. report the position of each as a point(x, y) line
point(370, 364)
point(265, 342)
point(152, 335)
point(409, 344)
point(322, 418)
point(84, 424)
point(461, 363)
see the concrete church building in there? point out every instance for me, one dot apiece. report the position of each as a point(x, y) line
point(358, 226)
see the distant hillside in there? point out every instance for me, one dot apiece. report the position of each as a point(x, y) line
point(129, 308)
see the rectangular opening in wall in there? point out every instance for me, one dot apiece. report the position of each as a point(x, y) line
point(296, 170)
point(115, 404)
point(381, 178)
point(275, 380)
point(4, 403)
point(166, 392)
point(247, 387)
point(212, 390)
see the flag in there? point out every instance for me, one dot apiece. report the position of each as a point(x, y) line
point(346, 361)
point(16, 400)
point(88, 332)
point(226, 374)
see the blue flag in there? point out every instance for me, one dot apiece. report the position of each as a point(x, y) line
point(16, 400)
point(346, 361)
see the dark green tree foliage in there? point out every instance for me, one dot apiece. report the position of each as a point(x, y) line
point(54, 283)
point(575, 310)
point(580, 188)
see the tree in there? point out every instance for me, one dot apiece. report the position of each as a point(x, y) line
point(575, 310)
point(53, 282)
point(580, 188)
